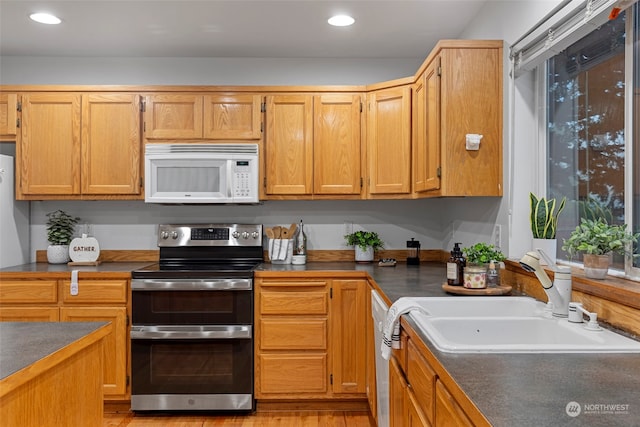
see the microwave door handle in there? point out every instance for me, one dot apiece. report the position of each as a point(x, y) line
point(230, 180)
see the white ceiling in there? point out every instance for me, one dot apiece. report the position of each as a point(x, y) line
point(232, 28)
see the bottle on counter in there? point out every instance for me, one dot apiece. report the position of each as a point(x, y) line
point(455, 266)
point(300, 247)
point(493, 274)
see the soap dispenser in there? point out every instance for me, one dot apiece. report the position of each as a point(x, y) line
point(455, 266)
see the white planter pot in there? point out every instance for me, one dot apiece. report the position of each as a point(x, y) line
point(58, 254)
point(364, 256)
point(549, 246)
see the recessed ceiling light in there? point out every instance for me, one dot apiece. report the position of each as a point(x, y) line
point(45, 18)
point(341, 21)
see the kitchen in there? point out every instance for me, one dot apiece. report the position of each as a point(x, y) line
point(437, 223)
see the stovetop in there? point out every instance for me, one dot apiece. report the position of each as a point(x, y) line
point(206, 251)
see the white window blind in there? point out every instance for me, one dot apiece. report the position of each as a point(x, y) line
point(568, 23)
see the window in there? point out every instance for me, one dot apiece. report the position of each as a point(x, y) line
point(593, 142)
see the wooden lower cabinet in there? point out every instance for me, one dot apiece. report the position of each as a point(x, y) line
point(50, 300)
point(115, 359)
point(309, 341)
point(448, 411)
point(417, 395)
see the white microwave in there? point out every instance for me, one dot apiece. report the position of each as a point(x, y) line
point(201, 173)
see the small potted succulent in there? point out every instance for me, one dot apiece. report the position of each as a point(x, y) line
point(544, 223)
point(60, 229)
point(365, 244)
point(598, 241)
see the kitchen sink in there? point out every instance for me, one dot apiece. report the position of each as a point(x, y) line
point(510, 325)
point(480, 307)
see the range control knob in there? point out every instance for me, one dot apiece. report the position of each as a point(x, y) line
point(164, 235)
point(174, 235)
point(255, 234)
point(245, 235)
point(235, 234)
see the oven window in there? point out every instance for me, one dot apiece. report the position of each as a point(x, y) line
point(208, 366)
point(192, 307)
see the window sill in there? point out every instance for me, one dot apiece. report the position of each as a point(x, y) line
point(614, 289)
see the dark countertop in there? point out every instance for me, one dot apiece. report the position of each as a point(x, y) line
point(516, 389)
point(24, 343)
point(64, 270)
point(509, 389)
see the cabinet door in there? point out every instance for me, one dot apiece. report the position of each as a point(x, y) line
point(389, 141)
point(8, 116)
point(426, 128)
point(337, 144)
point(415, 417)
point(49, 153)
point(448, 412)
point(471, 103)
point(29, 314)
point(289, 144)
point(397, 392)
point(173, 116)
point(372, 349)
point(423, 380)
point(111, 144)
point(348, 320)
point(232, 116)
point(116, 344)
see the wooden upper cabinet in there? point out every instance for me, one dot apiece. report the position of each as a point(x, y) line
point(337, 144)
point(289, 144)
point(49, 152)
point(111, 145)
point(232, 117)
point(173, 116)
point(471, 103)
point(426, 130)
point(389, 141)
point(8, 116)
point(80, 144)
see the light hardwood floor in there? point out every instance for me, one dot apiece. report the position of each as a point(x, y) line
point(259, 419)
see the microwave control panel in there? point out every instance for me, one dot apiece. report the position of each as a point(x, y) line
point(242, 178)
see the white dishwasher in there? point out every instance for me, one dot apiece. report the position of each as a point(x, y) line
point(379, 312)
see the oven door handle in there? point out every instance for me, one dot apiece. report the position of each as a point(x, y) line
point(191, 332)
point(192, 285)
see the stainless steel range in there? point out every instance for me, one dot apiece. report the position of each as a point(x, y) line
point(192, 320)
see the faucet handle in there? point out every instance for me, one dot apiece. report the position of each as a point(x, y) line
point(576, 310)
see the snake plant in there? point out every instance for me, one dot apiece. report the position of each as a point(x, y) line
point(544, 216)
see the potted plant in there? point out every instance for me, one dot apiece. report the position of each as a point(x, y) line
point(60, 228)
point(544, 223)
point(365, 244)
point(478, 258)
point(598, 241)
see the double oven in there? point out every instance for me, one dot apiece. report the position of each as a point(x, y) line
point(192, 320)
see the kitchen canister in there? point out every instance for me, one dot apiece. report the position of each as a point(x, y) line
point(475, 277)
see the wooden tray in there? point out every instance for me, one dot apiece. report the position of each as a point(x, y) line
point(94, 263)
point(461, 290)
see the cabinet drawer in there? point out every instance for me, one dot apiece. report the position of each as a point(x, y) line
point(96, 291)
point(29, 314)
point(422, 380)
point(294, 302)
point(37, 291)
point(298, 334)
point(293, 373)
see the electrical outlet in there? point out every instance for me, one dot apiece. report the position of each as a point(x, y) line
point(497, 236)
point(348, 227)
